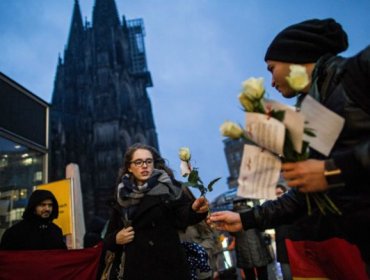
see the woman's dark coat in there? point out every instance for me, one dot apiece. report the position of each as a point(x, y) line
point(156, 251)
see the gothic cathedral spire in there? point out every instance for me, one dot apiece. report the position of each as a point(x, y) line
point(100, 104)
point(105, 14)
point(76, 29)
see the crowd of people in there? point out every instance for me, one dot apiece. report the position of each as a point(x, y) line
point(158, 231)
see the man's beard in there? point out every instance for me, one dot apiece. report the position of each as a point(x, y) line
point(45, 215)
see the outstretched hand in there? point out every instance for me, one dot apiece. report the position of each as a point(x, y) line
point(200, 205)
point(225, 220)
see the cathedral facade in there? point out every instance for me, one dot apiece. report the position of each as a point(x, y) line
point(100, 105)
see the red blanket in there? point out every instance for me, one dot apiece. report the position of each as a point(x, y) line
point(81, 264)
point(332, 259)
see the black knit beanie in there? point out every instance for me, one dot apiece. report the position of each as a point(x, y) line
point(307, 41)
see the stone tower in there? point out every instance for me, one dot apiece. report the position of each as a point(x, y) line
point(100, 104)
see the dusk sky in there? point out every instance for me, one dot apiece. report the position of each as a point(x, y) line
point(198, 53)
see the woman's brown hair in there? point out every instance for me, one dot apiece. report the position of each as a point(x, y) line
point(159, 162)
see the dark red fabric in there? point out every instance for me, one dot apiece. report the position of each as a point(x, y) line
point(334, 258)
point(81, 264)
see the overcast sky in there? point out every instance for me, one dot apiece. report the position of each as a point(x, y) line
point(198, 52)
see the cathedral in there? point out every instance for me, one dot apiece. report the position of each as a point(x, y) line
point(100, 105)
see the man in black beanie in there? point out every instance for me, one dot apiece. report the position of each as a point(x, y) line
point(341, 85)
point(303, 44)
point(36, 231)
point(307, 41)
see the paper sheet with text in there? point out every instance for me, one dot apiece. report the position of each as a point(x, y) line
point(266, 132)
point(293, 120)
point(259, 173)
point(326, 125)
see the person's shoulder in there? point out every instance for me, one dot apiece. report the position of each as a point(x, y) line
point(19, 225)
point(352, 62)
point(365, 52)
point(56, 227)
point(363, 58)
point(12, 233)
point(356, 80)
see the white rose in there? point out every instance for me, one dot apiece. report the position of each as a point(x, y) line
point(184, 154)
point(246, 102)
point(298, 78)
point(185, 168)
point(231, 130)
point(253, 88)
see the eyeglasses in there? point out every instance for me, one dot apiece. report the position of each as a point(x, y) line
point(140, 162)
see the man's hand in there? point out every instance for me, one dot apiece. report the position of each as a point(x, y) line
point(125, 236)
point(225, 220)
point(200, 205)
point(307, 176)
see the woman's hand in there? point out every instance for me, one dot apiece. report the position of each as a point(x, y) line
point(200, 205)
point(125, 235)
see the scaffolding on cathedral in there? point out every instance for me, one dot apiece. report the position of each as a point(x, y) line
point(136, 33)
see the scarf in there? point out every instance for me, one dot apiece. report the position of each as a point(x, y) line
point(160, 183)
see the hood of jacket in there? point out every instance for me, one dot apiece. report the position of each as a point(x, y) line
point(35, 199)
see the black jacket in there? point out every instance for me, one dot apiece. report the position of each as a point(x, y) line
point(341, 85)
point(34, 232)
point(250, 246)
point(156, 251)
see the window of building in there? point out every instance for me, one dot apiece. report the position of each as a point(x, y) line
point(21, 168)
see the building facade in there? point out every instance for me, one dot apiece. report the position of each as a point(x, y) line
point(100, 104)
point(23, 148)
point(233, 149)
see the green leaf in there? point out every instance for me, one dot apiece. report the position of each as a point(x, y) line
point(200, 181)
point(258, 107)
point(290, 155)
point(203, 191)
point(332, 205)
point(187, 184)
point(319, 203)
point(210, 185)
point(308, 202)
point(279, 115)
point(309, 131)
point(193, 177)
point(201, 188)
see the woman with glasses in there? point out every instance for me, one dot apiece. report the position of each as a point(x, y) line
point(148, 210)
